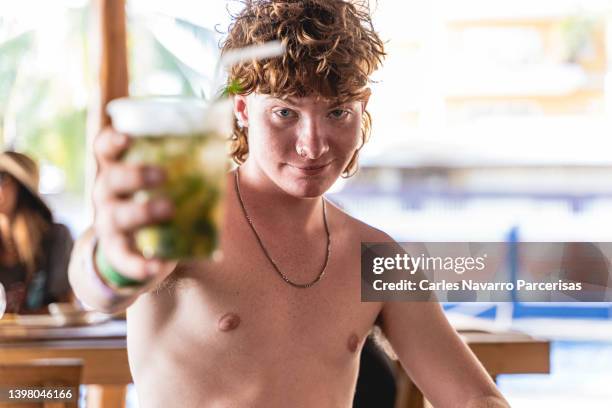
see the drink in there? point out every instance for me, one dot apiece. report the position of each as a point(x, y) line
point(187, 138)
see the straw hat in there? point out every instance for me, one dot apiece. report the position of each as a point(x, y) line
point(25, 171)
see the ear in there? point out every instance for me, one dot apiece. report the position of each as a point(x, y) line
point(240, 110)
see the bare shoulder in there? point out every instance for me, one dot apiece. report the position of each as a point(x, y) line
point(349, 226)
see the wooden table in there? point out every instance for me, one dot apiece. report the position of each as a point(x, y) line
point(500, 353)
point(102, 348)
point(106, 371)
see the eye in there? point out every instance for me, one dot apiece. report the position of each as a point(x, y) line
point(284, 113)
point(339, 113)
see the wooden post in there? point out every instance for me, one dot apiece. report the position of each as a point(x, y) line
point(102, 396)
point(113, 72)
point(113, 83)
point(111, 66)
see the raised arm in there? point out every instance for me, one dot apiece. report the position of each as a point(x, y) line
point(118, 215)
point(435, 357)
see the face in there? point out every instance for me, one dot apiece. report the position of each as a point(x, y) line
point(8, 194)
point(301, 145)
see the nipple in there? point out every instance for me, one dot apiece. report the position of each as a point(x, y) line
point(353, 343)
point(229, 322)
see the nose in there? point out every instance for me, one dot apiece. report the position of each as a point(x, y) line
point(312, 142)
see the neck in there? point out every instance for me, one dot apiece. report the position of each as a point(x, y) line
point(268, 203)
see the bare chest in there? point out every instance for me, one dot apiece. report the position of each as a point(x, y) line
point(246, 296)
point(237, 321)
point(241, 303)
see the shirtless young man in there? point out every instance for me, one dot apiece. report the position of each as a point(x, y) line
point(237, 332)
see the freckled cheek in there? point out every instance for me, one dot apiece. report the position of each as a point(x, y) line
point(346, 141)
point(271, 141)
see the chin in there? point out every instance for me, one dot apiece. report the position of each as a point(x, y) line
point(305, 190)
point(311, 193)
point(308, 187)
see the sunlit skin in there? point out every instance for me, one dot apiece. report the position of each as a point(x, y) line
point(9, 190)
point(232, 333)
point(327, 135)
point(8, 195)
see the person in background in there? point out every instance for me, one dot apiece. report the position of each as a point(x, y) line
point(34, 251)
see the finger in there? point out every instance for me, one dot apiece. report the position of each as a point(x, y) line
point(129, 215)
point(117, 250)
point(109, 145)
point(101, 195)
point(121, 179)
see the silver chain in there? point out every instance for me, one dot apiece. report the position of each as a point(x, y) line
point(265, 251)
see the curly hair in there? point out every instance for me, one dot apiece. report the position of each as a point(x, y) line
point(331, 51)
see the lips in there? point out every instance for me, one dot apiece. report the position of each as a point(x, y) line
point(311, 169)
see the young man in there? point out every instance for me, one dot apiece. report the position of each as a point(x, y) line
point(278, 322)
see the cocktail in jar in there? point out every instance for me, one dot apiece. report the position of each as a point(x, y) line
point(187, 138)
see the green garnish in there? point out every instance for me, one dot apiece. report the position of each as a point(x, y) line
point(233, 88)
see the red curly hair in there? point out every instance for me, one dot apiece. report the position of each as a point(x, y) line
point(331, 51)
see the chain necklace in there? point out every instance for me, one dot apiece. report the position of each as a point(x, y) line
point(265, 251)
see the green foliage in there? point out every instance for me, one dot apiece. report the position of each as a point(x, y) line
point(49, 124)
point(12, 52)
point(167, 61)
point(195, 75)
point(577, 32)
point(61, 142)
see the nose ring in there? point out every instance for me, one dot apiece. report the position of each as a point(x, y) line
point(302, 152)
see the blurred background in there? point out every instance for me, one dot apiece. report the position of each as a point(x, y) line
point(492, 122)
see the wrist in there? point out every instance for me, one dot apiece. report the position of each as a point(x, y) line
point(100, 271)
point(110, 275)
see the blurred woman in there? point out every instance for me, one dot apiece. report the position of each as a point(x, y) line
point(34, 251)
